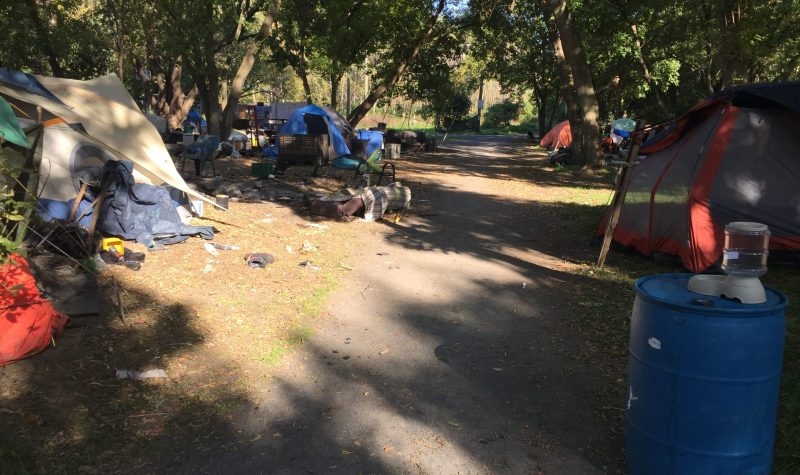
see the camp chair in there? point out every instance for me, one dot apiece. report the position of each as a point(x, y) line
point(371, 166)
point(202, 151)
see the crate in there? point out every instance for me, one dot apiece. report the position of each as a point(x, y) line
point(312, 150)
point(261, 169)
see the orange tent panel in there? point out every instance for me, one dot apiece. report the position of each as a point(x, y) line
point(559, 136)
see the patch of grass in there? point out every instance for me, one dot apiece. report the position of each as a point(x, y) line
point(314, 300)
point(298, 335)
point(787, 441)
point(274, 355)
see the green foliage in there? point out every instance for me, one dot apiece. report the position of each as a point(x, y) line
point(69, 33)
point(502, 113)
point(13, 213)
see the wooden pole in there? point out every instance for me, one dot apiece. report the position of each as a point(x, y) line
point(96, 213)
point(77, 201)
point(619, 195)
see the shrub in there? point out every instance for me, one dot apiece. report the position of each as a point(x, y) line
point(501, 114)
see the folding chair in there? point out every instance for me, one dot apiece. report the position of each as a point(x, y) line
point(202, 151)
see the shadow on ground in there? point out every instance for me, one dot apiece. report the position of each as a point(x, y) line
point(500, 391)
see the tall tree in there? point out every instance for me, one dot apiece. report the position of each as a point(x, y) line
point(402, 52)
point(215, 36)
point(586, 146)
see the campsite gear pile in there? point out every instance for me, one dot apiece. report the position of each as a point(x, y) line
point(313, 135)
point(142, 212)
point(86, 123)
point(28, 322)
point(730, 158)
point(703, 380)
point(410, 141)
point(130, 259)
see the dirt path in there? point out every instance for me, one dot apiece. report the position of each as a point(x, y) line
point(449, 350)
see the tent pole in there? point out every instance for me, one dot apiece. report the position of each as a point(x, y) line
point(619, 196)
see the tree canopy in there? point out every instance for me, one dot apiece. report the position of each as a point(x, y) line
point(589, 61)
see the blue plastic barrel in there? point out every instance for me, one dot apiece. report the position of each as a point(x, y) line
point(703, 380)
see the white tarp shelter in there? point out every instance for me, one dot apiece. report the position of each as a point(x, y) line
point(112, 127)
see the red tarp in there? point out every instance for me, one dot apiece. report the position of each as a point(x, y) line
point(28, 322)
point(559, 136)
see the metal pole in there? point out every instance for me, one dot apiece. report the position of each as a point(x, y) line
point(480, 105)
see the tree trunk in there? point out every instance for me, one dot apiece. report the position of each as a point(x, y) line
point(566, 86)
point(589, 152)
point(637, 43)
point(302, 71)
point(212, 106)
point(728, 17)
point(380, 89)
point(334, 91)
point(541, 115)
point(541, 107)
point(179, 106)
point(245, 67)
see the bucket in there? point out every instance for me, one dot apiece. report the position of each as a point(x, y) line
point(222, 201)
point(703, 380)
point(392, 151)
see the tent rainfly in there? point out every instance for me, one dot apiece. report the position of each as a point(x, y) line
point(730, 158)
point(559, 136)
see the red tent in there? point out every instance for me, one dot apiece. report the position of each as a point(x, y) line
point(731, 158)
point(559, 136)
point(28, 321)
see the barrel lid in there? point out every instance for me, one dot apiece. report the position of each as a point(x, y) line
point(671, 289)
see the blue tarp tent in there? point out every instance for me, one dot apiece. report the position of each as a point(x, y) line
point(26, 82)
point(295, 125)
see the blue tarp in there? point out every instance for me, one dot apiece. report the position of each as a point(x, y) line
point(142, 212)
point(375, 138)
point(26, 82)
point(195, 118)
point(295, 125)
point(623, 127)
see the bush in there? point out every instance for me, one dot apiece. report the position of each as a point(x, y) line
point(501, 114)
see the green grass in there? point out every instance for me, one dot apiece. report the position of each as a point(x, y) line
point(314, 300)
point(787, 443)
point(297, 335)
point(274, 355)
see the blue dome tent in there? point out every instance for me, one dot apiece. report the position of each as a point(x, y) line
point(337, 126)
